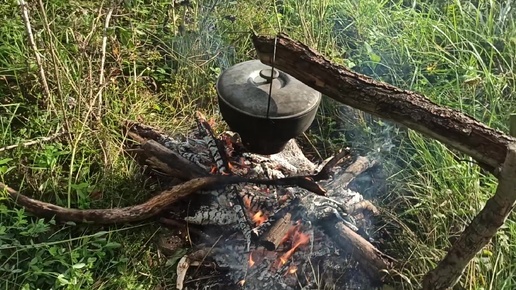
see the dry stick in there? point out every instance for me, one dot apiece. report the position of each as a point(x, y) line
point(33, 142)
point(145, 210)
point(139, 212)
point(486, 145)
point(26, 20)
point(480, 231)
point(103, 60)
point(372, 261)
point(55, 61)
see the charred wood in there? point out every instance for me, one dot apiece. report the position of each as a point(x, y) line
point(176, 165)
point(274, 237)
point(271, 222)
point(373, 262)
point(360, 165)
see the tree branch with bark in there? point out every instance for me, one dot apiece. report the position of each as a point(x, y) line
point(492, 149)
point(455, 129)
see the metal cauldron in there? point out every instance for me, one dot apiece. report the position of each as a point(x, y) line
point(265, 122)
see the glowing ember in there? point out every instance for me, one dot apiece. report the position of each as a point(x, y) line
point(251, 261)
point(213, 169)
point(292, 269)
point(291, 232)
point(247, 201)
point(259, 218)
point(241, 282)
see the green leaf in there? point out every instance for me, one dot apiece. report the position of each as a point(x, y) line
point(112, 245)
point(79, 266)
point(374, 57)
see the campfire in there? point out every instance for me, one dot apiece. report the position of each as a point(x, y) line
point(280, 230)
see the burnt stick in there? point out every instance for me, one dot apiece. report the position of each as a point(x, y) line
point(260, 230)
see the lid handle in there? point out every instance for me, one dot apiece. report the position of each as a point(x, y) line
point(269, 74)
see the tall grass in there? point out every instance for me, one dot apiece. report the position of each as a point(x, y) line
point(161, 64)
point(461, 55)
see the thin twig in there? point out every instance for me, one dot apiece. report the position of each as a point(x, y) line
point(33, 142)
point(57, 70)
point(103, 60)
point(26, 20)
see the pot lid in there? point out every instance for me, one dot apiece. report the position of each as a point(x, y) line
point(245, 87)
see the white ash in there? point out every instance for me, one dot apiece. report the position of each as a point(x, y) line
point(233, 255)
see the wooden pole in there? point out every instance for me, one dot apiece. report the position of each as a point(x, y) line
point(493, 150)
point(512, 124)
point(455, 129)
point(483, 227)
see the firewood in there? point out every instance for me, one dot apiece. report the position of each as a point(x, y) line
point(481, 230)
point(360, 165)
point(455, 129)
point(278, 217)
point(176, 165)
point(277, 232)
point(135, 213)
point(371, 260)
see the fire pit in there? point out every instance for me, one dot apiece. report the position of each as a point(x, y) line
point(249, 236)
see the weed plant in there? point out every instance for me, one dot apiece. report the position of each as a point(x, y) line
point(160, 63)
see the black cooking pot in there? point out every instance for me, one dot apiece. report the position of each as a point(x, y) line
point(265, 123)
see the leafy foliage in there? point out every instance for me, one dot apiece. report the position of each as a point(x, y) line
point(162, 61)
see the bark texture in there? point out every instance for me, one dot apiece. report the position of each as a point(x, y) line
point(453, 128)
point(375, 263)
point(480, 231)
point(135, 213)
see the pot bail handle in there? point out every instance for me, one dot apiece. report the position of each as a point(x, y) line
point(269, 74)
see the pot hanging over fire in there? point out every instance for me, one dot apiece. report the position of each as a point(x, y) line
point(266, 106)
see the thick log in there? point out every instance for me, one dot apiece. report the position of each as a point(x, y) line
point(277, 233)
point(453, 128)
point(375, 263)
point(480, 231)
point(177, 166)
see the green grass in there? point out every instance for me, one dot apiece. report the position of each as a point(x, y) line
point(161, 64)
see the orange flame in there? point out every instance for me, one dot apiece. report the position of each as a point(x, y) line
point(259, 218)
point(298, 240)
point(242, 282)
point(251, 261)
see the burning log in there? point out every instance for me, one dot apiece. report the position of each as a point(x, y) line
point(171, 156)
point(372, 261)
point(486, 145)
point(273, 231)
point(277, 232)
